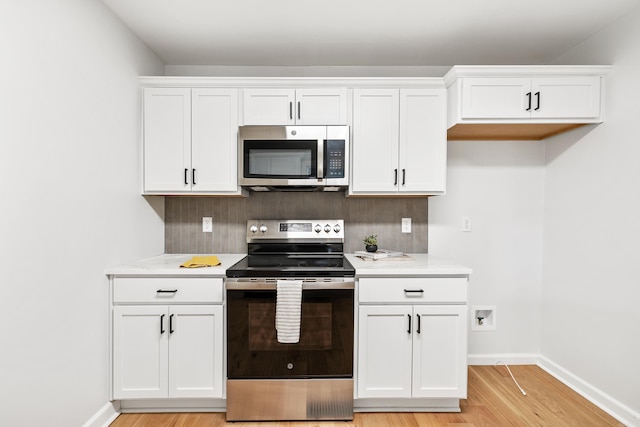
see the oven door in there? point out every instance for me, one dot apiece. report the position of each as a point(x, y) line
point(325, 348)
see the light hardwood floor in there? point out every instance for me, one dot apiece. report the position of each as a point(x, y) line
point(493, 400)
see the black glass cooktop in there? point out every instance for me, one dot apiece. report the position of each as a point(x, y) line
point(291, 265)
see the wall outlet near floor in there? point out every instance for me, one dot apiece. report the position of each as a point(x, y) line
point(207, 224)
point(483, 318)
point(406, 225)
point(466, 223)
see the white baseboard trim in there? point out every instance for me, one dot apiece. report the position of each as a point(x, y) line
point(104, 416)
point(508, 358)
point(616, 409)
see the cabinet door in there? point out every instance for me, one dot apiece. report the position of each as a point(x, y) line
point(566, 97)
point(495, 98)
point(423, 141)
point(167, 139)
point(440, 351)
point(195, 351)
point(384, 351)
point(375, 140)
point(214, 140)
point(140, 335)
point(269, 106)
point(324, 106)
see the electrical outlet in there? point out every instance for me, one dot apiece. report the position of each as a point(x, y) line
point(207, 224)
point(466, 223)
point(406, 225)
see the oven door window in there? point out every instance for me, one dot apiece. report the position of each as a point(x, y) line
point(280, 159)
point(325, 348)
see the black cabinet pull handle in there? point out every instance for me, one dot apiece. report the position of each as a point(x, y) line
point(166, 291)
point(171, 324)
point(528, 101)
point(298, 110)
point(418, 323)
point(193, 176)
point(409, 330)
point(186, 171)
point(414, 291)
point(162, 324)
point(395, 177)
point(291, 110)
point(404, 175)
point(537, 101)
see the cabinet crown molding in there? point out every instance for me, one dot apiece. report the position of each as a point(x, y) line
point(280, 82)
point(523, 71)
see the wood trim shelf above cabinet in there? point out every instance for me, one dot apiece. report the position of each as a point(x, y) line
point(508, 131)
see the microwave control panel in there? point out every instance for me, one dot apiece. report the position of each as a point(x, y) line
point(335, 155)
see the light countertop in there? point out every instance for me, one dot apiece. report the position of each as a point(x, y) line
point(169, 265)
point(409, 265)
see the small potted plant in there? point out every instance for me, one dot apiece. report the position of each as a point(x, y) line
point(371, 243)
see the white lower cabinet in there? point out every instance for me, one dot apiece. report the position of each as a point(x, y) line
point(414, 345)
point(167, 350)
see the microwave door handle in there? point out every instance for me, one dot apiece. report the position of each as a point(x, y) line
point(320, 171)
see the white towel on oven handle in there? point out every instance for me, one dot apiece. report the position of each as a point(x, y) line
point(288, 310)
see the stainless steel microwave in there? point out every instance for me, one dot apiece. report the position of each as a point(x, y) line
point(293, 158)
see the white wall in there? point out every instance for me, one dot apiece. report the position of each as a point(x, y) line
point(500, 186)
point(591, 292)
point(69, 162)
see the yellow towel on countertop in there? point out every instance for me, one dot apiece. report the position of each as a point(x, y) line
point(201, 261)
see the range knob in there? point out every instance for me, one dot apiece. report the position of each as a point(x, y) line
point(327, 228)
point(253, 228)
point(317, 228)
point(336, 228)
point(263, 228)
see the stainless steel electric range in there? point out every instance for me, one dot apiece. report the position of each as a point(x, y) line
point(309, 377)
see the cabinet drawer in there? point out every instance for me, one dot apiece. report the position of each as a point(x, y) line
point(150, 290)
point(412, 290)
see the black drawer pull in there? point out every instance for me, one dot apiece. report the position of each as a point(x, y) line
point(409, 330)
point(166, 291)
point(171, 330)
point(418, 322)
point(419, 291)
point(162, 324)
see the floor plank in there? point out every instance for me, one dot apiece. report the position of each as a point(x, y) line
point(493, 400)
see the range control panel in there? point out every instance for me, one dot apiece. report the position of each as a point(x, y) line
point(311, 229)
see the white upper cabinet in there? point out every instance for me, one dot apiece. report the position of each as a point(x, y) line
point(399, 142)
point(190, 141)
point(214, 132)
point(522, 102)
point(531, 98)
point(167, 139)
point(281, 106)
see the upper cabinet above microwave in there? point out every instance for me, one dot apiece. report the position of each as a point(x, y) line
point(522, 102)
point(282, 106)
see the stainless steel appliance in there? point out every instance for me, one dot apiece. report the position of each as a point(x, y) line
point(293, 158)
point(311, 379)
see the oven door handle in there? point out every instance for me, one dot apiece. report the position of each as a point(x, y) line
point(270, 285)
